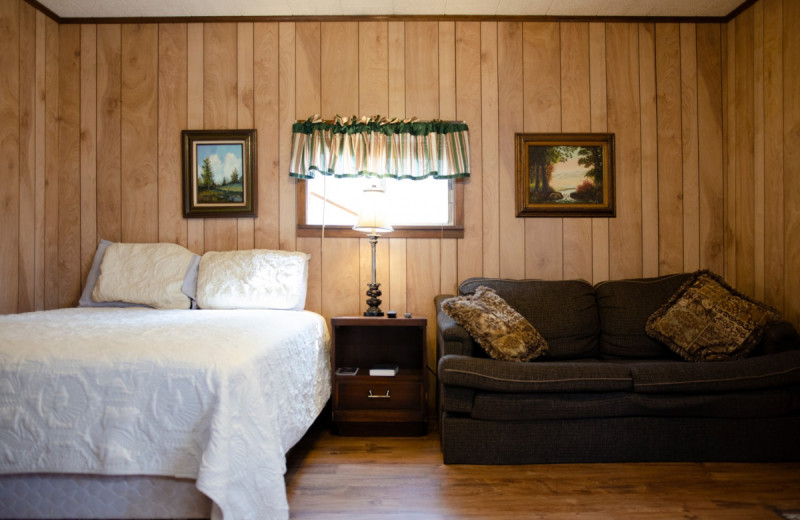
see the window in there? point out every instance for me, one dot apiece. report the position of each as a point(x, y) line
point(426, 208)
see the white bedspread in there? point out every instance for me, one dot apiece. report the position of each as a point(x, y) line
point(217, 396)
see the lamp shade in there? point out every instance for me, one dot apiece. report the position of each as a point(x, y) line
point(374, 215)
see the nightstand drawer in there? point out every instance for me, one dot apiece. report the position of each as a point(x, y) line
point(379, 395)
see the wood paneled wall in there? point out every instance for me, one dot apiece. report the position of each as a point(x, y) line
point(706, 120)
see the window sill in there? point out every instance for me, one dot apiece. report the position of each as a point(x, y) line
point(399, 232)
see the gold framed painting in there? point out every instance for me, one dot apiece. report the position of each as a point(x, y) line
point(219, 173)
point(565, 175)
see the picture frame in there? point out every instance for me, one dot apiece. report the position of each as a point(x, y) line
point(565, 175)
point(219, 173)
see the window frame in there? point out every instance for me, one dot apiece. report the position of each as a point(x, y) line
point(456, 230)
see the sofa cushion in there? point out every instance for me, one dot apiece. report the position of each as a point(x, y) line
point(563, 311)
point(624, 307)
point(499, 329)
point(707, 320)
point(752, 373)
point(496, 406)
point(562, 376)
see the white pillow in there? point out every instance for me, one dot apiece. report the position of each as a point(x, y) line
point(252, 279)
point(148, 274)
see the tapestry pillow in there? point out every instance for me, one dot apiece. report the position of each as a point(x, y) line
point(707, 320)
point(252, 279)
point(147, 274)
point(189, 287)
point(502, 332)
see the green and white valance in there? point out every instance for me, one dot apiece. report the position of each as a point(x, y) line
point(379, 147)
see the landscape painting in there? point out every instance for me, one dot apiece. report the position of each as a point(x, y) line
point(563, 175)
point(218, 173)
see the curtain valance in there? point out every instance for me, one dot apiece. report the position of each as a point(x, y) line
point(380, 147)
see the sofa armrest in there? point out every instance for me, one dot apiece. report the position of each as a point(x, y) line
point(451, 338)
point(779, 337)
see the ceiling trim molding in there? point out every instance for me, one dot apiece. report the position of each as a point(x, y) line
point(368, 18)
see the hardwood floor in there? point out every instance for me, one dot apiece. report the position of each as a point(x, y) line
point(360, 478)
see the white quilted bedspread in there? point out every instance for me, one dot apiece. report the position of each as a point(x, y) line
point(216, 396)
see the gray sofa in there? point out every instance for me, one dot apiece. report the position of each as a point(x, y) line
point(605, 391)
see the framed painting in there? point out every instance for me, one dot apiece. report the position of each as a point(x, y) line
point(565, 175)
point(219, 173)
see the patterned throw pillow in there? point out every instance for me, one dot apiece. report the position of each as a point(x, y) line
point(707, 320)
point(502, 332)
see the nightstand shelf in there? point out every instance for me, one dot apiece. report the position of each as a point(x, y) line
point(379, 405)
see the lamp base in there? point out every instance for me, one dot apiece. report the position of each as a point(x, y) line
point(373, 302)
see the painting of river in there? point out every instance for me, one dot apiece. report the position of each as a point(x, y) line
point(557, 173)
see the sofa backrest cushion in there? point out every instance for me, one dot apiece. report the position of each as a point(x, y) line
point(624, 307)
point(564, 312)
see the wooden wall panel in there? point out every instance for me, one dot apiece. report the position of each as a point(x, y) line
point(220, 111)
point(542, 113)
point(245, 64)
point(266, 118)
point(649, 134)
point(109, 105)
point(9, 155)
point(26, 298)
point(510, 116)
point(576, 117)
point(139, 133)
point(69, 190)
point(709, 128)
point(670, 168)
point(88, 148)
point(705, 118)
point(625, 231)
point(51, 163)
point(773, 155)
point(172, 114)
point(791, 155)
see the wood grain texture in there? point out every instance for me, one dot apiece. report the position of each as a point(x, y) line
point(690, 158)
point(744, 152)
point(88, 145)
point(774, 264)
point(51, 163)
point(597, 81)
point(490, 149)
point(468, 101)
point(576, 117)
point(330, 476)
point(139, 133)
point(172, 119)
point(670, 167)
point(195, 227)
point(220, 111)
point(711, 152)
point(9, 156)
point(245, 63)
point(266, 119)
point(28, 122)
point(510, 116)
point(791, 154)
point(542, 113)
point(724, 132)
point(649, 136)
point(625, 231)
point(69, 172)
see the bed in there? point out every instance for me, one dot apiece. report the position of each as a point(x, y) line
point(139, 412)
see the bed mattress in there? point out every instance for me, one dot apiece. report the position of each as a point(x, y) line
point(215, 397)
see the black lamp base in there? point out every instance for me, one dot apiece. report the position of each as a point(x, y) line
point(373, 302)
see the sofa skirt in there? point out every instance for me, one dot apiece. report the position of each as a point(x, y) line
point(619, 439)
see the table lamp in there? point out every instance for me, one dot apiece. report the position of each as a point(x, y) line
point(372, 219)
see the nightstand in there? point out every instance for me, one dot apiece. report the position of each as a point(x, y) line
point(379, 405)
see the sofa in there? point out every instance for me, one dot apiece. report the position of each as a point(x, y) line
point(605, 390)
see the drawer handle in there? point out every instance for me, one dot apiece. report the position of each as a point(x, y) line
point(370, 395)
